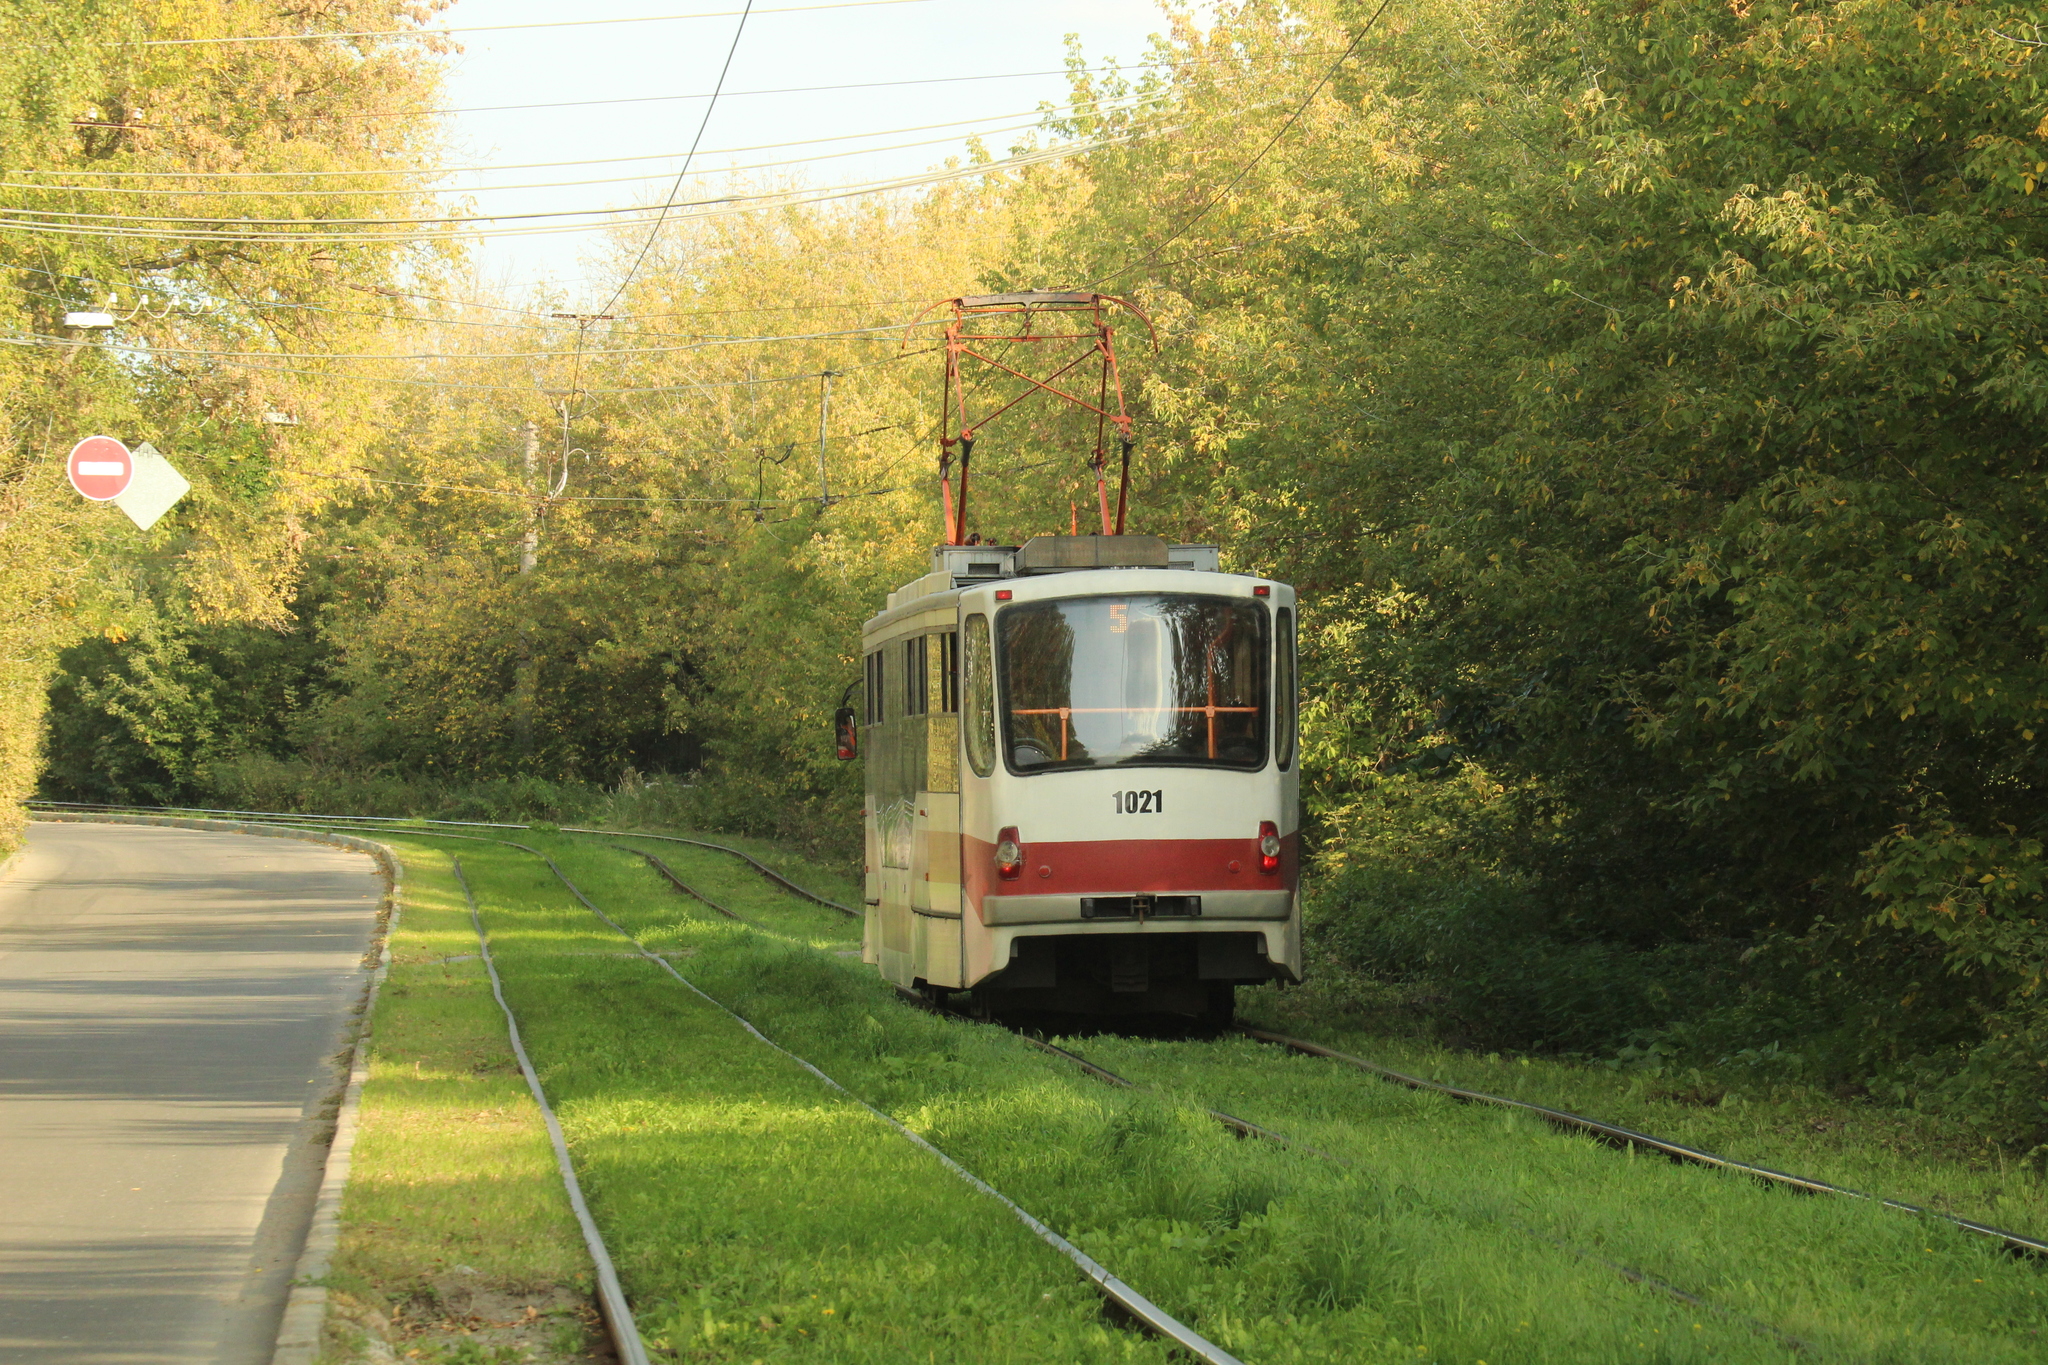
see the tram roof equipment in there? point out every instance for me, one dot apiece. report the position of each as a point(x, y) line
point(963, 566)
point(1075, 327)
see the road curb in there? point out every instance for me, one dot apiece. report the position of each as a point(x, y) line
point(305, 1309)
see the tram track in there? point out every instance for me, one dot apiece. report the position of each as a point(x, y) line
point(1244, 1128)
point(1610, 1134)
point(1615, 1135)
point(1125, 1300)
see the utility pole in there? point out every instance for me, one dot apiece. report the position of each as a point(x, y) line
point(529, 544)
point(824, 413)
point(525, 683)
point(582, 321)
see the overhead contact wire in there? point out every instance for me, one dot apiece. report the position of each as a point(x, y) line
point(490, 28)
point(1257, 157)
point(654, 232)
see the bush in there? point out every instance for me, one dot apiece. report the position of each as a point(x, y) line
point(1486, 958)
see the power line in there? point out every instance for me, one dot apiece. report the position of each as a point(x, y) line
point(1246, 169)
point(65, 344)
point(893, 329)
point(491, 28)
point(655, 99)
point(1038, 116)
point(464, 217)
point(713, 208)
point(416, 191)
point(738, 30)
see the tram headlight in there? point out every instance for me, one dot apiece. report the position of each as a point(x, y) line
point(1269, 847)
point(1009, 855)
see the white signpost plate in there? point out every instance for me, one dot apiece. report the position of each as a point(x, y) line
point(153, 489)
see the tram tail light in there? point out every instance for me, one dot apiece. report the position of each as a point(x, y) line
point(1269, 847)
point(1009, 855)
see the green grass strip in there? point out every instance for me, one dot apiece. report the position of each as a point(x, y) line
point(752, 1217)
point(1853, 1279)
point(611, 1298)
point(1275, 1255)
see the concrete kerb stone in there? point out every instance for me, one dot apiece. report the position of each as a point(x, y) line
point(305, 1310)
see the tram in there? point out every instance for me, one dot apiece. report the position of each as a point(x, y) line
point(1082, 779)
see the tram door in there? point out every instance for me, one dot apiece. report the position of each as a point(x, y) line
point(935, 901)
point(913, 805)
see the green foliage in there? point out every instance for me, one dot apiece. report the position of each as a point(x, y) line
point(1644, 397)
point(86, 98)
point(1497, 973)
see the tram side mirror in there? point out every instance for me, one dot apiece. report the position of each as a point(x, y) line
point(845, 734)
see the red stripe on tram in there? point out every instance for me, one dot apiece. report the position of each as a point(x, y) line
point(1117, 867)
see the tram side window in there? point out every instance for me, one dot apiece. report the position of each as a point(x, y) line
point(916, 680)
point(978, 696)
point(873, 688)
point(945, 672)
point(1285, 700)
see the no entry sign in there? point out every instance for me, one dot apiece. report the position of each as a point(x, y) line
point(101, 468)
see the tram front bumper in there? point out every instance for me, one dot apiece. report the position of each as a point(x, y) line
point(1165, 908)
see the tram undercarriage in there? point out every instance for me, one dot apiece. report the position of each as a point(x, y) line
point(1129, 974)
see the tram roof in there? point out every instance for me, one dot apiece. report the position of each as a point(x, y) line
point(964, 566)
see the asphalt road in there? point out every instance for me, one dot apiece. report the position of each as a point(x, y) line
point(170, 1004)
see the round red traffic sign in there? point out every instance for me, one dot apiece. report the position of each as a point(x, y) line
point(101, 468)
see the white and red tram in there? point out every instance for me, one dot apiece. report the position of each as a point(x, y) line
point(1082, 778)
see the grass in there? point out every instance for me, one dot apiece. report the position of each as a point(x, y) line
point(1739, 1112)
point(1852, 1279)
point(454, 1212)
point(753, 1214)
point(1277, 1256)
point(743, 1201)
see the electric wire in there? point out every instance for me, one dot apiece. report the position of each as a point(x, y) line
point(653, 232)
point(635, 99)
point(884, 332)
point(1328, 74)
point(1037, 117)
point(492, 28)
point(723, 206)
point(691, 386)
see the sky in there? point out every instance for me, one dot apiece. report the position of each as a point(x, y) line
point(916, 41)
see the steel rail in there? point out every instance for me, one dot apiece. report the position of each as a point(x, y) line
point(1143, 1310)
point(1157, 1319)
point(1245, 1128)
point(770, 873)
point(663, 868)
point(1616, 1135)
point(1242, 1127)
point(611, 1296)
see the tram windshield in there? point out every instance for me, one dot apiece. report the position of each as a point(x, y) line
point(1165, 678)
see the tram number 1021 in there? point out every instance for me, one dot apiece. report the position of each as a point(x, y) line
point(1140, 803)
